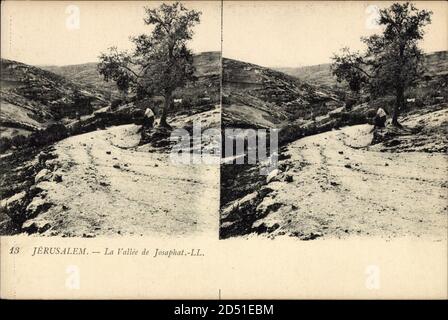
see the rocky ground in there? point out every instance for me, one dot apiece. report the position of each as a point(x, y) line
point(106, 183)
point(424, 131)
point(337, 184)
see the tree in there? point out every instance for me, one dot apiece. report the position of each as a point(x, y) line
point(393, 62)
point(161, 61)
point(348, 67)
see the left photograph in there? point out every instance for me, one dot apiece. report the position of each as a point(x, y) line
point(110, 118)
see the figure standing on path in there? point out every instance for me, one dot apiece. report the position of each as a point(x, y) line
point(380, 118)
point(148, 119)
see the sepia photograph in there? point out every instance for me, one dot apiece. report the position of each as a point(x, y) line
point(358, 94)
point(196, 150)
point(92, 94)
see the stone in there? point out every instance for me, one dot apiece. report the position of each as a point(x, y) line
point(273, 175)
point(37, 226)
point(227, 224)
point(34, 190)
point(37, 206)
point(246, 201)
point(57, 178)
point(393, 143)
point(44, 156)
point(262, 227)
point(43, 175)
point(52, 164)
point(13, 204)
point(312, 236)
point(264, 191)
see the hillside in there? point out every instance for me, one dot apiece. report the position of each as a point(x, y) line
point(337, 176)
point(320, 75)
point(258, 97)
point(316, 74)
point(86, 74)
point(75, 158)
point(206, 88)
point(32, 98)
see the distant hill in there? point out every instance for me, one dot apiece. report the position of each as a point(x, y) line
point(317, 74)
point(32, 98)
point(437, 63)
point(206, 87)
point(259, 97)
point(86, 75)
point(207, 67)
point(320, 74)
point(207, 64)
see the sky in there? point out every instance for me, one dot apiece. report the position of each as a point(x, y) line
point(293, 33)
point(268, 33)
point(47, 33)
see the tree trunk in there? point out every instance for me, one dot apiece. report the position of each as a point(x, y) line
point(166, 107)
point(399, 103)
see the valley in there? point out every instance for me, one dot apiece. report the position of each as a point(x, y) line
point(337, 176)
point(88, 170)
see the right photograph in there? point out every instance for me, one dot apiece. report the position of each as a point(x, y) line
point(334, 120)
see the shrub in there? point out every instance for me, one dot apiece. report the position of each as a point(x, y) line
point(5, 144)
point(116, 103)
point(18, 140)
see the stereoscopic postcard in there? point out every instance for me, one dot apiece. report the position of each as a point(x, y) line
point(224, 150)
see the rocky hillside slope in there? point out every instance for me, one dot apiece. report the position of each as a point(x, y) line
point(258, 97)
point(32, 99)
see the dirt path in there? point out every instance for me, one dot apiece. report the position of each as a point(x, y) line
point(337, 188)
point(111, 187)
